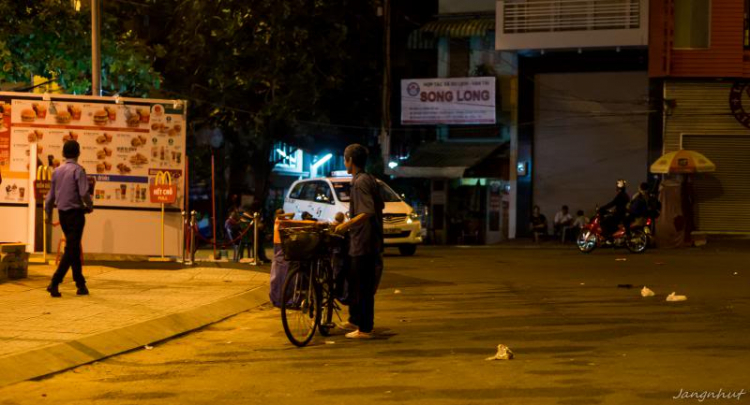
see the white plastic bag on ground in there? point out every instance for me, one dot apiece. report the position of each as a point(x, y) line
point(675, 298)
point(646, 292)
point(503, 353)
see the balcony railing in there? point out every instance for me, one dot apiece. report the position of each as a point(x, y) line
point(535, 16)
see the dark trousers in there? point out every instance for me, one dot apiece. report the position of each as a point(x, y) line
point(72, 223)
point(610, 224)
point(363, 283)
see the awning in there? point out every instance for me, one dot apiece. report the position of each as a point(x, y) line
point(453, 160)
point(464, 27)
point(460, 27)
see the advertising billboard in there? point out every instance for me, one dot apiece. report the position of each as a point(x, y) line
point(449, 101)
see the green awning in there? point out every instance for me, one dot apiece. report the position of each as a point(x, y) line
point(460, 27)
point(426, 37)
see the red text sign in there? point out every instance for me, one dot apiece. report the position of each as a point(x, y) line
point(41, 188)
point(163, 193)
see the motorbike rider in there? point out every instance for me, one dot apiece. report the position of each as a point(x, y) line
point(639, 204)
point(619, 207)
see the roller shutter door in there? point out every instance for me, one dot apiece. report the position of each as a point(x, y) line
point(722, 197)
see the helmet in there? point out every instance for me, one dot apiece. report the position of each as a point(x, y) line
point(621, 183)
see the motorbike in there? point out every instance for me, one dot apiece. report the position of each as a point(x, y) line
point(637, 240)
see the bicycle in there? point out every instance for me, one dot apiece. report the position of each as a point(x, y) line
point(307, 296)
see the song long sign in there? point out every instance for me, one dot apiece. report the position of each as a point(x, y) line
point(454, 101)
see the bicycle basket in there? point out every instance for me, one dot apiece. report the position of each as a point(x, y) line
point(301, 243)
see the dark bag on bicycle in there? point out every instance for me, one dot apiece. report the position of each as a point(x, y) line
point(300, 243)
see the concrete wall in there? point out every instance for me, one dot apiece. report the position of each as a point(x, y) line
point(13, 222)
point(590, 130)
point(128, 232)
point(106, 231)
point(466, 6)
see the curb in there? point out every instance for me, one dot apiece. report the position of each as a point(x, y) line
point(63, 356)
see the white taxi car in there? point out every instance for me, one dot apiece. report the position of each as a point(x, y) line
point(324, 197)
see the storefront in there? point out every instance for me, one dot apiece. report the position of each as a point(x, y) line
point(127, 147)
point(713, 118)
point(469, 185)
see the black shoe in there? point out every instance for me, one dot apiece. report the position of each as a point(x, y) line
point(82, 291)
point(53, 291)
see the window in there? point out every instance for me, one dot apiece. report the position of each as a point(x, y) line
point(308, 191)
point(692, 24)
point(296, 191)
point(323, 193)
point(388, 194)
point(343, 191)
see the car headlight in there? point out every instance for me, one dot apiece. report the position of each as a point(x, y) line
point(413, 217)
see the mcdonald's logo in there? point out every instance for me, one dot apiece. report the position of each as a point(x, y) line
point(163, 178)
point(43, 182)
point(162, 191)
point(44, 173)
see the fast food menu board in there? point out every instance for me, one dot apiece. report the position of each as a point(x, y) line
point(122, 146)
point(12, 189)
point(5, 111)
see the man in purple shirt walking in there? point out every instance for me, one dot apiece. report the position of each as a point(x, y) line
point(70, 192)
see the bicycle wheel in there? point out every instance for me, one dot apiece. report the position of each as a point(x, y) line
point(300, 306)
point(328, 300)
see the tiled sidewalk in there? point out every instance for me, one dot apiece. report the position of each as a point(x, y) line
point(30, 320)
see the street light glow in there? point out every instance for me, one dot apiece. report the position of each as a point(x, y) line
point(321, 161)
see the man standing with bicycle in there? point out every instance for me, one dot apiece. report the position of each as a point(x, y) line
point(366, 241)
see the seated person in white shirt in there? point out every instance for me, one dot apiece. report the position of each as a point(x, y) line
point(581, 220)
point(563, 220)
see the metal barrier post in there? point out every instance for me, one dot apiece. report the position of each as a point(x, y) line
point(184, 235)
point(256, 259)
point(192, 236)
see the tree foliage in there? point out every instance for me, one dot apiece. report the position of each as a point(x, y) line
point(256, 68)
point(49, 38)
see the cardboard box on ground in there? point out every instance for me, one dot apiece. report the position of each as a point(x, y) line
point(14, 261)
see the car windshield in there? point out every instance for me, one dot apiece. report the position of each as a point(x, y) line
point(343, 192)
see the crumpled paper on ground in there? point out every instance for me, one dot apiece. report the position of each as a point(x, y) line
point(646, 292)
point(675, 298)
point(503, 353)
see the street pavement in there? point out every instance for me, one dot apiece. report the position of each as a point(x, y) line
point(579, 328)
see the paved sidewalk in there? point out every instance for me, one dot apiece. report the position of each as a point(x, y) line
point(127, 308)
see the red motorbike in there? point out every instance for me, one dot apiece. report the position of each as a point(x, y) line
point(592, 236)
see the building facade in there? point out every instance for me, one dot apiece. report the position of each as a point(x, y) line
point(466, 165)
point(699, 67)
point(583, 94)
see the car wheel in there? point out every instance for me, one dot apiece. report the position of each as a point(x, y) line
point(407, 250)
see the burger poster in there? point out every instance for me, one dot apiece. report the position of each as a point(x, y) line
point(122, 146)
point(14, 185)
point(5, 111)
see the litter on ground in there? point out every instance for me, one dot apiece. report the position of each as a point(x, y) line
point(503, 353)
point(646, 292)
point(675, 298)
